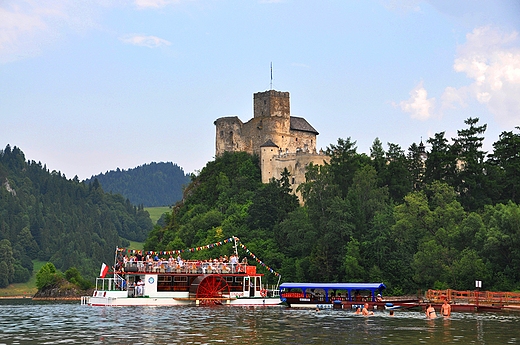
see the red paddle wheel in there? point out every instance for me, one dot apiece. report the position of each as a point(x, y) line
point(209, 289)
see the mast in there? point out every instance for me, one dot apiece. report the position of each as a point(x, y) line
point(235, 246)
point(115, 260)
point(271, 76)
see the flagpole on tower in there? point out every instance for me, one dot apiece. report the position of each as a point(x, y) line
point(271, 75)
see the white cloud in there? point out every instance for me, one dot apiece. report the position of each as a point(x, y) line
point(491, 59)
point(145, 41)
point(452, 97)
point(28, 26)
point(154, 3)
point(418, 105)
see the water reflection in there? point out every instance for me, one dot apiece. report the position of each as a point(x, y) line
point(38, 323)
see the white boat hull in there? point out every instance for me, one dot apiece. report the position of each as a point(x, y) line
point(168, 301)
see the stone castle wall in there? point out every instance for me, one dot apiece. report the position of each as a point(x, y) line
point(292, 148)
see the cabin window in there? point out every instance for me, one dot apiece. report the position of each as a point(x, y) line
point(179, 279)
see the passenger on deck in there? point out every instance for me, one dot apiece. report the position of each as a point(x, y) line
point(379, 298)
point(234, 261)
point(139, 287)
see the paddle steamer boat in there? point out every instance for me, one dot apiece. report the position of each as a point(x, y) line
point(170, 282)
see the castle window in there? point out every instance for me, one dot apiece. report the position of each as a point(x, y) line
point(293, 181)
point(221, 134)
point(296, 139)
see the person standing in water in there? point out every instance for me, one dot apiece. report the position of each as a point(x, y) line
point(446, 309)
point(430, 312)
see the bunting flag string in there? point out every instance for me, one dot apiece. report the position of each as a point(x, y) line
point(257, 259)
point(196, 249)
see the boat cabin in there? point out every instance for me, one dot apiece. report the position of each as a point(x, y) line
point(329, 292)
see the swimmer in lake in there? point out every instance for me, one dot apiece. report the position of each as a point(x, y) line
point(365, 311)
point(430, 312)
point(446, 309)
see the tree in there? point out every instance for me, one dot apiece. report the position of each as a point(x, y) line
point(430, 263)
point(416, 165)
point(344, 163)
point(377, 154)
point(471, 181)
point(354, 272)
point(397, 176)
point(47, 276)
point(441, 162)
point(506, 157)
point(6, 256)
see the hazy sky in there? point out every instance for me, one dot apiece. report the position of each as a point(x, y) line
point(90, 86)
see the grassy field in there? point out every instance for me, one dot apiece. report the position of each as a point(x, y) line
point(157, 212)
point(136, 245)
point(23, 289)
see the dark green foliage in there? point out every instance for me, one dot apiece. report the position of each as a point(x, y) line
point(47, 276)
point(439, 217)
point(154, 184)
point(73, 276)
point(428, 218)
point(505, 164)
point(45, 216)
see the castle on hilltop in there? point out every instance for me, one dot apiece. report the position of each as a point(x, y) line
point(279, 139)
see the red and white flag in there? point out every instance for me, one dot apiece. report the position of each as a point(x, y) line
point(104, 270)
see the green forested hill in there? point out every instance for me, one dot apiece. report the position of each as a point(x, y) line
point(436, 217)
point(154, 184)
point(45, 216)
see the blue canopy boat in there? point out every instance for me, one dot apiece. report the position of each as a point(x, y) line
point(335, 295)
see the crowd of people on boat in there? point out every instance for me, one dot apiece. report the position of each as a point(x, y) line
point(155, 263)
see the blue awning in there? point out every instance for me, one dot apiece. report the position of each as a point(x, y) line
point(334, 286)
point(349, 287)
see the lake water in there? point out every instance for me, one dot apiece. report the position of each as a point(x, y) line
point(27, 322)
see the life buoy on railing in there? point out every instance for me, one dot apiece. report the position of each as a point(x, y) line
point(263, 292)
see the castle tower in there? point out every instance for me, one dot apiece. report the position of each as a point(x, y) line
point(280, 140)
point(271, 103)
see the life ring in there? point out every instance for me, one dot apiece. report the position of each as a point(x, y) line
point(263, 292)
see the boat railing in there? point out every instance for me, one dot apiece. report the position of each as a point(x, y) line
point(116, 283)
point(468, 296)
point(187, 267)
point(85, 300)
point(272, 291)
